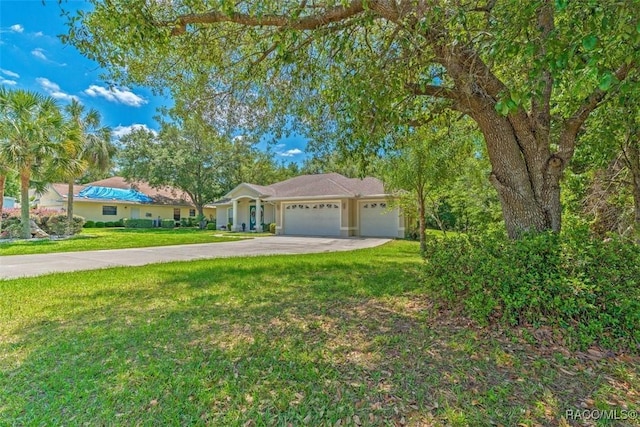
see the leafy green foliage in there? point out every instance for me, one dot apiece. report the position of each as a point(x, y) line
point(211, 226)
point(587, 287)
point(168, 223)
point(140, 223)
point(89, 224)
point(58, 224)
point(100, 224)
point(272, 228)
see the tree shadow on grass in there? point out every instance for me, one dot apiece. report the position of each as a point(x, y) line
point(272, 343)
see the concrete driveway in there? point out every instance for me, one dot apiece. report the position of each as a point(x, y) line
point(15, 266)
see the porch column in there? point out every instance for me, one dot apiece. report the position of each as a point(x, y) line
point(234, 227)
point(258, 216)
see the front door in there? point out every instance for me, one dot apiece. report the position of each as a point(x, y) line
point(135, 213)
point(252, 217)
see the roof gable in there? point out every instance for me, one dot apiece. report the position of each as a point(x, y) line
point(319, 185)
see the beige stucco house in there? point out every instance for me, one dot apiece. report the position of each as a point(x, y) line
point(95, 201)
point(314, 205)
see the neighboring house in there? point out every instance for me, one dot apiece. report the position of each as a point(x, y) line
point(8, 202)
point(113, 198)
point(314, 205)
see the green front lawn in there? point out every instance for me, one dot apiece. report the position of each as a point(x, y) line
point(92, 239)
point(323, 339)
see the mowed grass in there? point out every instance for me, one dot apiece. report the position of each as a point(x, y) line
point(320, 340)
point(92, 239)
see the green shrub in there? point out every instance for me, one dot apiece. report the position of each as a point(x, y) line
point(58, 224)
point(99, 224)
point(168, 223)
point(585, 287)
point(109, 224)
point(211, 226)
point(272, 228)
point(119, 223)
point(12, 231)
point(138, 223)
point(89, 224)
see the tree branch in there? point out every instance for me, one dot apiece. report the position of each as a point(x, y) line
point(572, 124)
point(541, 105)
point(432, 90)
point(312, 22)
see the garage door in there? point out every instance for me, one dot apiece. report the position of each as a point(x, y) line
point(377, 220)
point(312, 219)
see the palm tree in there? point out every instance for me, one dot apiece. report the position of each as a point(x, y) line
point(30, 125)
point(87, 146)
point(4, 169)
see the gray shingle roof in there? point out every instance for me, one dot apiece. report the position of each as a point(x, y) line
point(328, 184)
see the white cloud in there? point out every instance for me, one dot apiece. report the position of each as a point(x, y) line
point(9, 73)
point(121, 96)
point(120, 131)
point(54, 90)
point(17, 28)
point(7, 82)
point(39, 53)
point(39, 34)
point(291, 153)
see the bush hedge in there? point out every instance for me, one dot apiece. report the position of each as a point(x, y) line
point(89, 224)
point(211, 226)
point(168, 223)
point(272, 228)
point(100, 224)
point(138, 223)
point(585, 287)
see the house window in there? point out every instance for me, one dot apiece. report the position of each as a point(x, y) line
point(148, 215)
point(176, 214)
point(109, 210)
point(229, 215)
point(192, 212)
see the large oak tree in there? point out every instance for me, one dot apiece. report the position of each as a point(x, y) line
point(528, 73)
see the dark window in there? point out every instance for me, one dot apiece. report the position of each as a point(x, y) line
point(192, 212)
point(109, 210)
point(176, 214)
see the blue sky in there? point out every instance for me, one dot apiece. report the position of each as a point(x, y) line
point(33, 58)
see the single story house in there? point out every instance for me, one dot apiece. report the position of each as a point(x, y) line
point(114, 198)
point(314, 205)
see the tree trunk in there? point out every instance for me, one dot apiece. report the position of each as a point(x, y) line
point(202, 222)
point(24, 203)
point(422, 224)
point(632, 154)
point(70, 208)
point(3, 179)
point(524, 173)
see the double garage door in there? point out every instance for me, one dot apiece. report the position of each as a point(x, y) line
point(377, 220)
point(312, 219)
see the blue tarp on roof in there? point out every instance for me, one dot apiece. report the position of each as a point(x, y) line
point(93, 192)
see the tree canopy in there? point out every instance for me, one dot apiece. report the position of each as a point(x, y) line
point(529, 74)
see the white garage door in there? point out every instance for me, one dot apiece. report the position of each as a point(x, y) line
point(377, 220)
point(312, 219)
